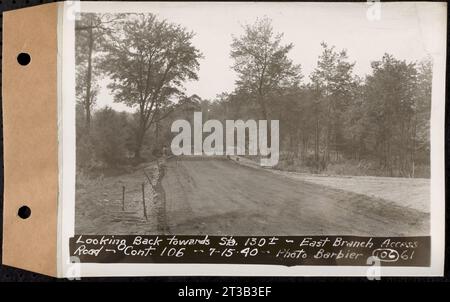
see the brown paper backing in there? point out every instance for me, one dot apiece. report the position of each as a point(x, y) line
point(30, 139)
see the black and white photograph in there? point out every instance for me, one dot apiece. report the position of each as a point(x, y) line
point(354, 126)
point(258, 119)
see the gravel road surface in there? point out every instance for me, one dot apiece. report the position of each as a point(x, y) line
point(221, 197)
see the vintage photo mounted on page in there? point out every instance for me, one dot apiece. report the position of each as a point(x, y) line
point(268, 137)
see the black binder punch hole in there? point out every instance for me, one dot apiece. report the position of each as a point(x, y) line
point(23, 58)
point(24, 212)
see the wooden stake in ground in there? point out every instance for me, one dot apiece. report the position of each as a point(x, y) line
point(123, 198)
point(143, 201)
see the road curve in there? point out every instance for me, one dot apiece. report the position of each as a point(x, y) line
point(221, 197)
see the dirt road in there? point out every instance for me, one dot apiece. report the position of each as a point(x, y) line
point(221, 197)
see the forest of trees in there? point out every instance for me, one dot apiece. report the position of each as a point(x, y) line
point(331, 121)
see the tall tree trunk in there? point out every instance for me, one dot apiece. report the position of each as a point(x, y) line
point(389, 157)
point(157, 129)
point(140, 133)
point(326, 156)
point(316, 145)
point(326, 153)
point(88, 97)
point(413, 148)
point(304, 148)
point(138, 145)
point(264, 116)
point(262, 107)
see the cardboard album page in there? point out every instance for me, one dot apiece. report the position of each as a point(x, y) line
point(30, 138)
point(229, 139)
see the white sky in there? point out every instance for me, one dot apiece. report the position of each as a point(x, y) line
point(407, 30)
